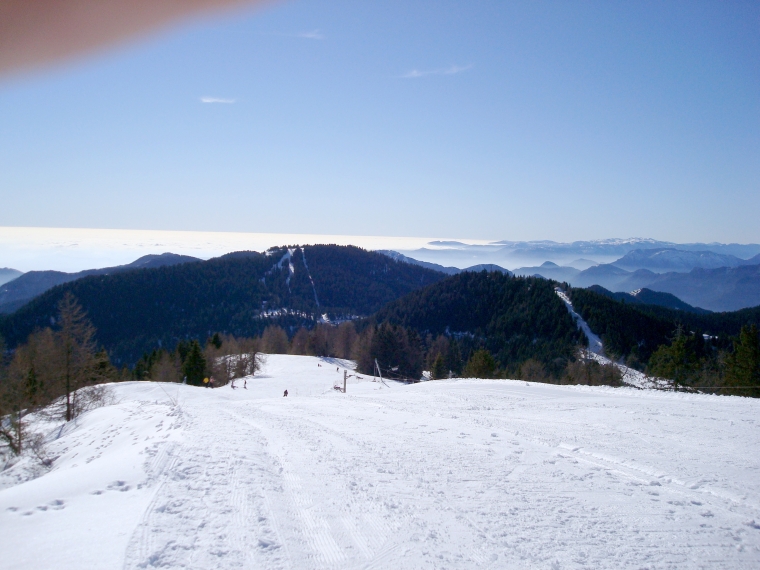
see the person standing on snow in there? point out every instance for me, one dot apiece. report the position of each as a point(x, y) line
point(211, 382)
point(285, 395)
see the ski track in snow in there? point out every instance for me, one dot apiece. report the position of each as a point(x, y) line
point(445, 474)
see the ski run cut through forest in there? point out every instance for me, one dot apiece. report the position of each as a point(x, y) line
point(444, 474)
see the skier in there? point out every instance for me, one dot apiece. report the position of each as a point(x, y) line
point(285, 395)
point(245, 383)
point(211, 382)
point(205, 382)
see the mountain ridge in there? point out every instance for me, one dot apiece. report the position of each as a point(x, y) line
point(240, 293)
point(16, 293)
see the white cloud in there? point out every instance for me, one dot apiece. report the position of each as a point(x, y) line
point(216, 100)
point(312, 35)
point(453, 70)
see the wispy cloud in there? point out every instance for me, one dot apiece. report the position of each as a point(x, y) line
point(217, 100)
point(315, 34)
point(312, 35)
point(453, 70)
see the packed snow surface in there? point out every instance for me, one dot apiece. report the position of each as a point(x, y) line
point(447, 474)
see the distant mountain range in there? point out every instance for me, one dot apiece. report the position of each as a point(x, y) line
point(8, 274)
point(22, 289)
point(716, 289)
point(662, 260)
point(447, 270)
point(512, 254)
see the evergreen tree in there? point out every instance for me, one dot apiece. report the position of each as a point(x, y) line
point(743, 365)
point(397, 348)
point(194, 367)
point(438, 370)
point(679, 361)
point(480, 365)
point(454, 357)
point(183, 348)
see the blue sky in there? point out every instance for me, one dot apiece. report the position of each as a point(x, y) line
point(487, 119)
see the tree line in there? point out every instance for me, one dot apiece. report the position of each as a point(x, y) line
point(715, 352)
point(402, 353)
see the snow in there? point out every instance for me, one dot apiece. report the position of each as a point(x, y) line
point(442, 474)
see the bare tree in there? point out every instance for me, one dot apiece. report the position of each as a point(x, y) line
point(27, 384)
point(166, 369)
point(344, 339)
point(81, 368)
point(275, 340)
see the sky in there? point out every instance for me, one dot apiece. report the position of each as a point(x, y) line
point(486, 120)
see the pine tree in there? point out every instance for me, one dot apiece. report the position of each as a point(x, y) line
point(743, 365)
point(678, 362)
point(438, 370)
point(194, 367)
point(454, 357)
point(480, 365)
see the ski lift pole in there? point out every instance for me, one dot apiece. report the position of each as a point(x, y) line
point(345, 376)
point(379, 372)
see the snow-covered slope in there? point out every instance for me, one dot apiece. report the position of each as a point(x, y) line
point(447, 474)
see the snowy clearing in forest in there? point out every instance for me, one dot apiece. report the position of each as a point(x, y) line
point(446, 474)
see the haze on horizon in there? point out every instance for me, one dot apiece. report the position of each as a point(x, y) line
point(533, 120)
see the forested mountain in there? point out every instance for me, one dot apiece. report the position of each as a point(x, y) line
point(550, 271)
point(648, 297)
point(239, 293)
point(434, 266)
point(638, 329)
point(515, 318)
point(19, 291)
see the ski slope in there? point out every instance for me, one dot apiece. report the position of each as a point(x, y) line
point(446, 474)
point(595, 351)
